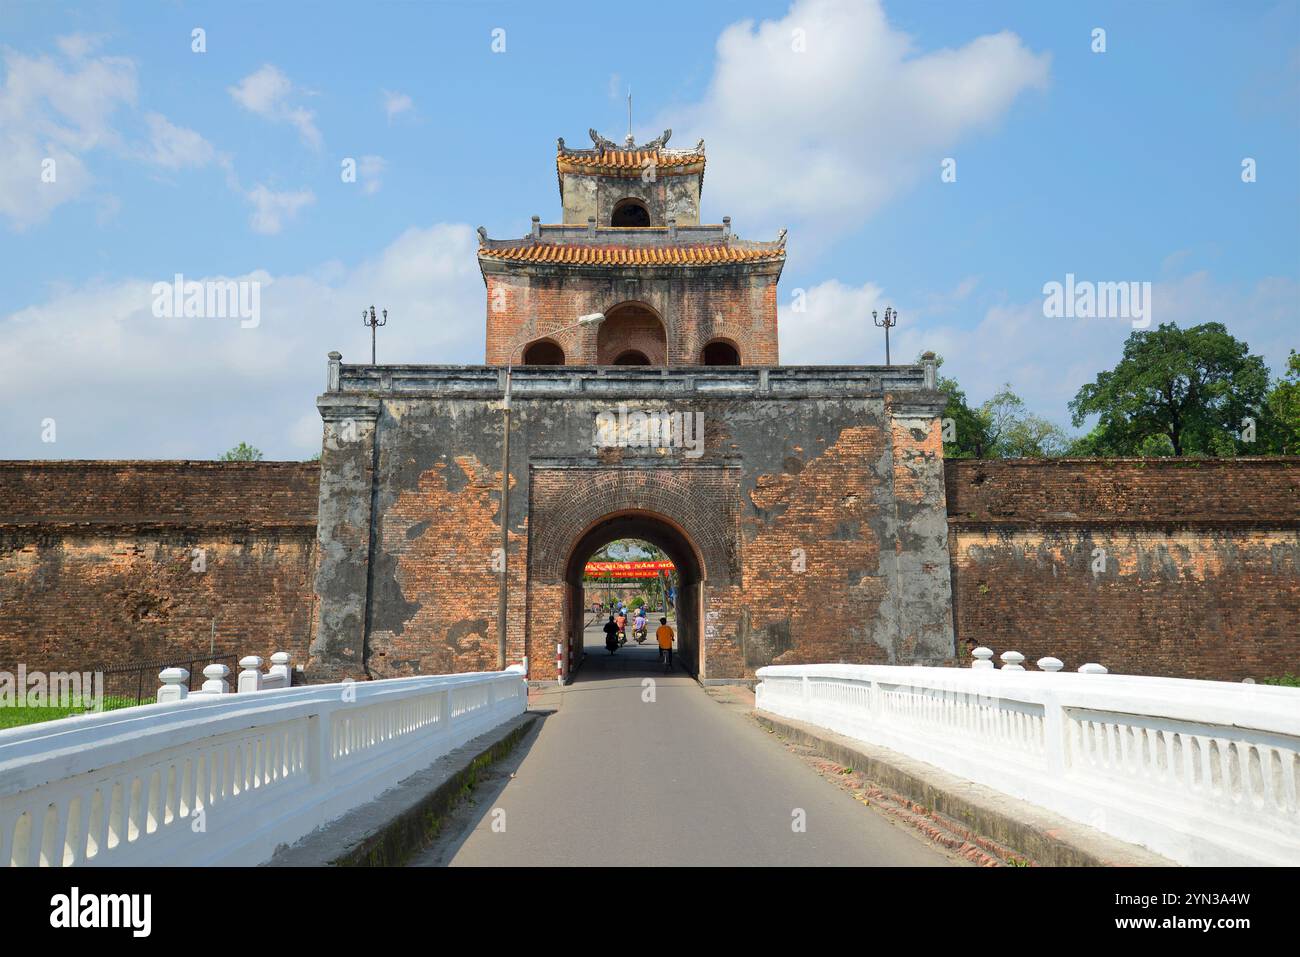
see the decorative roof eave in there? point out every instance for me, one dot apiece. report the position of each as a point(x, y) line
point(631, 164)
point(586, 254)
point(607, 158)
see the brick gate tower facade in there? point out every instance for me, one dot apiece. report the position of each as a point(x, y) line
point(674, 291)
point(803, 506)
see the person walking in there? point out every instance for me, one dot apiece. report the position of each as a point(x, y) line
point(665, 636)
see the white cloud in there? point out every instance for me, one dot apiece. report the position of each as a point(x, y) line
point(1045, 360)
point(267, 92)
point(195, 387)
point(52, 113)
point(174, 146)
point(371, 170)
point(271, 210)
point(835, 131)
point(75, 46)
point(829, 329)
point(396, 103)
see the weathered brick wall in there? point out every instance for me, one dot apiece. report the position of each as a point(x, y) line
point(734, 303)
point(98, 561)
point(1180, 568)
point(800, 555)
point(1201, 571)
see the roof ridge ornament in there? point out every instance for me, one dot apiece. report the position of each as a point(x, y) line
point(604, 145)
point(661, 142)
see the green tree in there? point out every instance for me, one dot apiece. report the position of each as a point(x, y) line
point(243, 452)
point(1193, 386)
point(1002, 427)
point(965, 431)
point(1280, 431)
point(1016, 433)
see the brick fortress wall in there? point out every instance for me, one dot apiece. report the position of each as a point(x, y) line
point(1201, 576)
point(98, 561)
point(1187, 568)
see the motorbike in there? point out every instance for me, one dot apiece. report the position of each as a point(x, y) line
point(639, 634)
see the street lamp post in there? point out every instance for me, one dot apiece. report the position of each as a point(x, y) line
point(374, 324)
point(593, 319)
point(890, 320)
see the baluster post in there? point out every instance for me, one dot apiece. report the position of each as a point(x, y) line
point(175, 684)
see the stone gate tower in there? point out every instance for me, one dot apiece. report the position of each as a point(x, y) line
point(674, 292)
point(803, 506)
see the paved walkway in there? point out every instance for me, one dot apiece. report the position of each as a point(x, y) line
point(610, 779)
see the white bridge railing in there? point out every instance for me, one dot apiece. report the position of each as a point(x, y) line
point(224, 779)
point(1202, 772)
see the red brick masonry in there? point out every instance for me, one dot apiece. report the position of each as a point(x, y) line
point(1183, 568)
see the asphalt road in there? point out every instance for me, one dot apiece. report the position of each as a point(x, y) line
point(612, 779)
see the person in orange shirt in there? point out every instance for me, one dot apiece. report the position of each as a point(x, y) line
point(621, 620)
point(665, 636)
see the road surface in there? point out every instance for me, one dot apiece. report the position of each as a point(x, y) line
point(612, 779)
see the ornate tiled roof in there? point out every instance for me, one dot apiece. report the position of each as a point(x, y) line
point(659, 255)
point(609, 159)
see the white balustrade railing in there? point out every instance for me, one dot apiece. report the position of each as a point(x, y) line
point(1202, 772)
point(224, 779)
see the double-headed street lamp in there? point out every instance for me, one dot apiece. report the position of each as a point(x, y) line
point(374, 324)
point(890, 320)
point(592, 319)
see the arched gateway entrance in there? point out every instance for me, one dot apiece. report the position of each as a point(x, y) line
point(690, 512)
point(676, 544)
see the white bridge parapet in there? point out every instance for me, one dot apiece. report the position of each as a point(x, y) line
point(224, 779)
point(1202, 772)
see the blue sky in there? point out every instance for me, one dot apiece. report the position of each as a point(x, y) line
point(1115, 166)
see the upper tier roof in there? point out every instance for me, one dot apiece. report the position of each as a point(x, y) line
point(571, 245)
point(602, 255)
point(607, 158)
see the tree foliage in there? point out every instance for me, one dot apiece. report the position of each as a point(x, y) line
point(1002, 427)
point(1016, 433)
point(1185, 390)
point(243, 452)
point(1280, 434)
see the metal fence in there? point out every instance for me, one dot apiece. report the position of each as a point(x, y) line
point(126, 686)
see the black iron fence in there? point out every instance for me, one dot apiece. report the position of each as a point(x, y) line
point(128, 685)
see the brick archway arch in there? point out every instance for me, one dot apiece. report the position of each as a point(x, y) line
point(628, 326)
point(701, 503)
point(691, 512)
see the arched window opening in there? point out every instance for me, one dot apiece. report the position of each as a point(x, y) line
point(632, 334)
point(544, 353)
point(632, 357)
point(720, 353)
point(630, 212)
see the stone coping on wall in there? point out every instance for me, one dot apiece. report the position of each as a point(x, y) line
point(633, 236)
point(761, 382)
